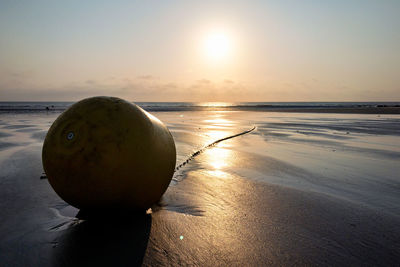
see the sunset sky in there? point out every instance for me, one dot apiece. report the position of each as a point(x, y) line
point(200, 51)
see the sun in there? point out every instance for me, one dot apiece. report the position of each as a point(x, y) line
point(217, 46)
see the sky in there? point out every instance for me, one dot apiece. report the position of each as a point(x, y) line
point(232, 51)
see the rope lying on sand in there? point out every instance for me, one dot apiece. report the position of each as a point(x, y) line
point(210, 145)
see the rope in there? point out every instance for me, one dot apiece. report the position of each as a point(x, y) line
point(192, 156)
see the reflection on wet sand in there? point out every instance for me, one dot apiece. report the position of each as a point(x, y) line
point(222, 135)
point(218, 157)
point(218, 121)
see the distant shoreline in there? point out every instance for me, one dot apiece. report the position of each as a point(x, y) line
point(344, 110)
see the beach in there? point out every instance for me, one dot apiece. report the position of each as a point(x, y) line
point(302, 188)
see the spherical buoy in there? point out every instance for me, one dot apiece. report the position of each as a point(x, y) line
point(104, 152)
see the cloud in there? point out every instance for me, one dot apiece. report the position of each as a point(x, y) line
point(203, 81)
point(91, 82)
point(146, 77)
point(23, 86)
point(139, 89)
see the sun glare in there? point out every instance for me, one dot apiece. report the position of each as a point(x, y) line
point(217, 46)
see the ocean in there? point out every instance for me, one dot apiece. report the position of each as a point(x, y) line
point(196, 106)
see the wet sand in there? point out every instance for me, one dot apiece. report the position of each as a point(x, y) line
point(301, 189)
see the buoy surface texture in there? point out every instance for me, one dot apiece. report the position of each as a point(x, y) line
point(104, 152)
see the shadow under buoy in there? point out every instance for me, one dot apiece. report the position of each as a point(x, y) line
point(104, 239)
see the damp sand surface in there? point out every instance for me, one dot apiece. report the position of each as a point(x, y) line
point(300, 189)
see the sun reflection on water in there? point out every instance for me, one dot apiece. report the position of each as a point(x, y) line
point(216, 135)
point(215, 104)
point(218, 126)
point(218, 173)
point(219, 121)
point(218, 157)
